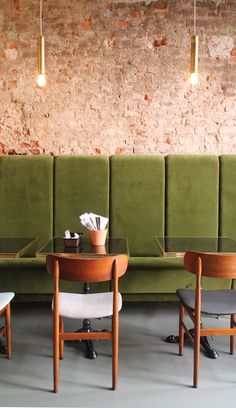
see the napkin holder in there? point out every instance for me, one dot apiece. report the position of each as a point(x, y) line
point(72, 241)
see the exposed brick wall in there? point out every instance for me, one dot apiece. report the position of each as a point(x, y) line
point(117, 77)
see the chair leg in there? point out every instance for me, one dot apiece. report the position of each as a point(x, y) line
point(115, 340)
point(196, 356)
point(56, 352)
point(8, 324)
point(232, 324)
point(181, 329)
point(61, 330)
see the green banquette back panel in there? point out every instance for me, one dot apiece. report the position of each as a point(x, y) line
point(81, 185)
point(228, 196)
point(26, 197)
point(137, 201)
point(192, 195)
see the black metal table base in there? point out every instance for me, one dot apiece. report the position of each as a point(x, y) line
point(91, 353)
point(205, 343)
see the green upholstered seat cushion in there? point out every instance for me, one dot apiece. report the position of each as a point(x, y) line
point(162, 275)
point(137, 201)
point(228, 196)
point(192, 195)
point(81, 185)
point(26, 197)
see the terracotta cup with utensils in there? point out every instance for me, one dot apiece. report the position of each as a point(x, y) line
point(98, 237)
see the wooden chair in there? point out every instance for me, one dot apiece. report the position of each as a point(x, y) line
point(5, 299)
point(86, 306)
point(213, 302)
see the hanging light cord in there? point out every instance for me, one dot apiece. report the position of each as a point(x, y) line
point(194, 16)
point(41, 18)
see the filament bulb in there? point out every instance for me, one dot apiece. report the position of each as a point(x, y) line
point(193, 78)
point(41, 80)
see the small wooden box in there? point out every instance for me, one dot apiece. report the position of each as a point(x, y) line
point(71, 242)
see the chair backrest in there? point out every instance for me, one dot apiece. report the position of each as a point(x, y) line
point(87, 269)
point(222, 266)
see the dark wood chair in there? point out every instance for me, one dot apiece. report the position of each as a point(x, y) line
point(5, 299)
point(86, 306)
point(212, 302)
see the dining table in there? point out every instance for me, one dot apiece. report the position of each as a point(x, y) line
point(15, 247)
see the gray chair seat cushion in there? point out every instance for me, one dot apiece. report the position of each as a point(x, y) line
point(87, 306)
point(5, 298)
point(215, 302)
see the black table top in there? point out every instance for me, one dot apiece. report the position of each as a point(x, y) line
point(112, 246)
point(14, 247)
point(177, 246)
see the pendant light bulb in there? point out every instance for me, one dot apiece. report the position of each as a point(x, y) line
point(41, 78)
point(194, 60)
point(193, 78)
point(194, 49)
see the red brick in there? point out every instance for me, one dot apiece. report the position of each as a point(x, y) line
point(212, 77)
point(140, 132)
point(17, 5)
point(26, 132)
point(13, 83)
point(23, 27)
point(110, 42)
point(13, 45)
point(24, 145)
point(118, 150)
point(136, 14)
point(147, 98)
point(35, 152)
point(11, 151)
point(76, 34)
point(72, 26)
point(159, 6)
point(122, 24)
point(160, 42)
point(2, 55)
point(34, 143)
point(233, 52)
point(14, 71)
point(86, 25)
point(17, 132)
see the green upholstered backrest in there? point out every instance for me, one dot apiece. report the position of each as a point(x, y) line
point(81, 185)
point(26, 197)
point(137, 201)
point(192, 195)
point(228, 196)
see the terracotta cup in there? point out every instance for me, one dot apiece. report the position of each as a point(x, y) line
point(98, 237)
point(98, 249)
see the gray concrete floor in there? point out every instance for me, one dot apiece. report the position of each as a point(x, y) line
point(150, 371)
